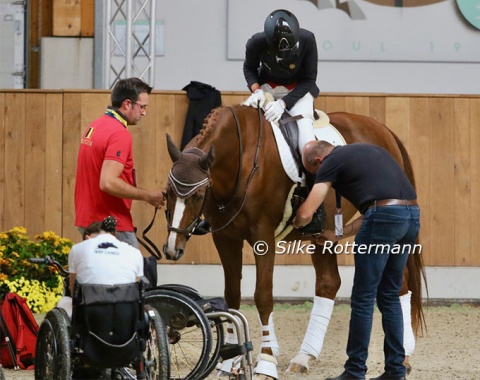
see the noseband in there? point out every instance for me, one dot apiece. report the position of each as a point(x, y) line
point(192, 189)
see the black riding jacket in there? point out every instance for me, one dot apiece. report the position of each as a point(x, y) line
point(300, 69)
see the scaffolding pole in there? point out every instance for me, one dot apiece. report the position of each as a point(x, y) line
point(129, 40)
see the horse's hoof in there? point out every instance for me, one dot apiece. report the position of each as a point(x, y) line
point(266, 368)
point(407, 365)
point(263, 377)
point(296, 368)
point(299, 364)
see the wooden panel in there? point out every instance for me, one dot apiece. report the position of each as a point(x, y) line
point(3, 168)
point(418, 149)
point(357, 104)
point(474, 206)
point(72, 130)
point(462, 191)
point(40, 133)
point(14, 160)
point(87, 27)
point(442, 181)
point(377, 108)
point(53, 162)
point(231, 100)
point(35, 130)
point(67, 18)
point(397, 116)
point(334, 104)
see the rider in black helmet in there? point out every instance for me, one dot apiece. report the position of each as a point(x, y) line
point(281, 31)
point(282, 60)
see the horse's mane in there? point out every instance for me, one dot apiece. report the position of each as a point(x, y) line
point(209, 124)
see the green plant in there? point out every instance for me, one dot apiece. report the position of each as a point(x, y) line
point(39, 284)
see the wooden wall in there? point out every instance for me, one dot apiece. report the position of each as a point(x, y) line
point(40, 133)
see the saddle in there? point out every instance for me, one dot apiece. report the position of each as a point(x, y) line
point(289, 128)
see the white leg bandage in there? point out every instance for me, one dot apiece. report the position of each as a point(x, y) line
point(269, 340)
point(408, 336)
point(317, 327)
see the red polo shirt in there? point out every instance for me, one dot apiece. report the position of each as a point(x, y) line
point(107, 138)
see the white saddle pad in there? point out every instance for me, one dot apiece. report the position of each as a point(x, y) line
point(323, 131)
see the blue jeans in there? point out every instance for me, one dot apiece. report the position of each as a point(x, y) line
point(385, 231)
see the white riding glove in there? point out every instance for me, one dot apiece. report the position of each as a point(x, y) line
point(257, 99)
point(274, 110)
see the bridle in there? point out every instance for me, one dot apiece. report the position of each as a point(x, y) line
point(188, 231)
point(193, 188)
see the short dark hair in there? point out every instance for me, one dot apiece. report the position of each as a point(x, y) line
point(128, 88)
point(316, 148)
point(93, 228)
point(109, 224)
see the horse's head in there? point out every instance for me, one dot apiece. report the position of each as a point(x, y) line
point(187, 187)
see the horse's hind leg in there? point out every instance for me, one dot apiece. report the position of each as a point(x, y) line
point(327, 283)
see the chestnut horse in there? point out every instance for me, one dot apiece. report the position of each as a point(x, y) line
point(232, 174)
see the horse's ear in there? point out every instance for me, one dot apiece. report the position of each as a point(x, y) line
point(173, 151)
point(207, 160)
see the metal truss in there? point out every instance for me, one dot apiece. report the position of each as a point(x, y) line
point(129, 40)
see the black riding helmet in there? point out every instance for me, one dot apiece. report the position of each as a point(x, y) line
point(282, 30)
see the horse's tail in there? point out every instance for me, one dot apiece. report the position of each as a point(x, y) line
point(415, 265)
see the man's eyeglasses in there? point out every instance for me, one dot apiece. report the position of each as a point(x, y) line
point(143, 107)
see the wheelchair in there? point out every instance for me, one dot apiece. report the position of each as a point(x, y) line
point(196, 333)
point(188, 332)
point(111, 328)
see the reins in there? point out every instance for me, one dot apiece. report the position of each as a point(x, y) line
point(148, 244)
point(250, 176)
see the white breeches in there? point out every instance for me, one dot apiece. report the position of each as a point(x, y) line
point(304, 107)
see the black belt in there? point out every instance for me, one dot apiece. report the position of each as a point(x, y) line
point(393, 202)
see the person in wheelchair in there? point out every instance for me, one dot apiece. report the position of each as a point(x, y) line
point(109, 331)
point(101, 259)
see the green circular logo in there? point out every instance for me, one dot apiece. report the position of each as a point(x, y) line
point(471, 11)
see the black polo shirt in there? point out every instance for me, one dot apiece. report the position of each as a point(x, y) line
point(363, 173)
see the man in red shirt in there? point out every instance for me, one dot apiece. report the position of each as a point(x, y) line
point(105, 182)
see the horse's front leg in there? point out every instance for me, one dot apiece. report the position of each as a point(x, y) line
point(230, 250)
point(327, 283)
point(266, 366)
point(231, 255)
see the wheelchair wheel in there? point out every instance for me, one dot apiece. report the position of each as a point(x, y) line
point(157, 358)
point(52, 351)
point(189, 332)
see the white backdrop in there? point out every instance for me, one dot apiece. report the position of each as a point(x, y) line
point(431, 33)
point(197, 48)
